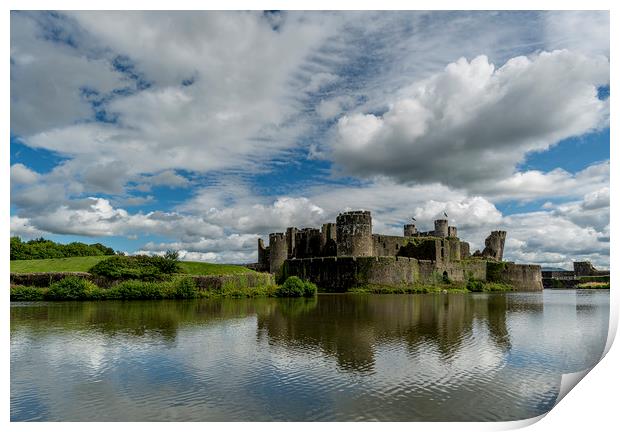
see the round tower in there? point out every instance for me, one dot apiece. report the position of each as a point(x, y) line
point(410, 230)
point(277, 251)
point(441, 228)
point(354, 234)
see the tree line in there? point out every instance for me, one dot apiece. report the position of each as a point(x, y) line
point(41, 248)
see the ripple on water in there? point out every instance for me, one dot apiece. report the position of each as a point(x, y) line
point(486, 357)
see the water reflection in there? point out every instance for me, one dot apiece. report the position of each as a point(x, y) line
point(335, 357)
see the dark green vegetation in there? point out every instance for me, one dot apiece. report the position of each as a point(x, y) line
point(295, 287)
point(176, 287)
point(593, 285)
point(437, 288)
point(76, 288)
point(44, 249)
point(482, 286)
point(137, 267)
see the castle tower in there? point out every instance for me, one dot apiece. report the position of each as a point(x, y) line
point(354, 234)
point(410, 230)
point(278, 250)
point(328, 239)
point(291, 240)
point(494, 245)
point(263, 256)
point(441, 228)
point(452, 231)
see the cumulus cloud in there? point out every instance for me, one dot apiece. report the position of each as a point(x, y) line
point(21, 174)
point(130, 104)
point(472, 123)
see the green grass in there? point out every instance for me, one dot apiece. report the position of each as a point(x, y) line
point(203, 268)
point(594, 285)
point(73, 264)
point(83, 264)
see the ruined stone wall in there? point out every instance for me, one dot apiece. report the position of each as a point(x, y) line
point(422, 249)
point(291, 238)
point(278, 251)
point(338, 274)
point(523, 277)
point(383, 245)
point(307, 243)
point(494, 245)
point(465, 250)
point(263, 257)
point(328, 240)
point(354, 234)
point(463, 270)
point(585, 268)
point(453, 246)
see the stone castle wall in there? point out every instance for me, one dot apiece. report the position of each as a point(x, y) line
point(338, 274)
point(523, 277)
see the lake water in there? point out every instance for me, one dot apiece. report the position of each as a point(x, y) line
point(336, 357)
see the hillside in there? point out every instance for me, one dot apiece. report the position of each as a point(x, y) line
point(82, 264)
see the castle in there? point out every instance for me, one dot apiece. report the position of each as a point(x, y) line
point(346, 254)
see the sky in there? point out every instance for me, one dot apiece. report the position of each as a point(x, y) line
point(202, 131)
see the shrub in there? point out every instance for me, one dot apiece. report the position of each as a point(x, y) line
point(139, 267)
point(136, 289)
point(295, 287)
point(23, 293)
point(474, 285)
point(71, 288)
point(186, 288)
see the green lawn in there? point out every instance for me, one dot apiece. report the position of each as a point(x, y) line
point(83, 264)
point(72, 264)
point(203, 268)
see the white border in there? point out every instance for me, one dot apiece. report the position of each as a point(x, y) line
point(591, 407)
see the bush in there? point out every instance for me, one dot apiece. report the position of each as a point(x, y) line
point(475, 285)
point(295, 287)
point(23, 293)
point(139, 267)
point(71, 288)
point(186, 288)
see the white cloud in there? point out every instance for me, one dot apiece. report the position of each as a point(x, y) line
point(21, 174)
point(473, 123)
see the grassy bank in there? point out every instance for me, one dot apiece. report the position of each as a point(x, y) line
point(75, 288)
point(177, 287)
point(593, 285)
point(454, 287)
point(83, 264)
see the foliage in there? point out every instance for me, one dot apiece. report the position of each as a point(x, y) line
point(186, 288)
point(594, 285)
point(204, 268)
point(41, 248)
point(71, 288)
point(474, 285)
point(295, 287)
point(139, 267)
point(22, 293)
point(494, 270)
point(407, 289)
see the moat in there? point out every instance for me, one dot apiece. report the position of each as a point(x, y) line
point(336, 357)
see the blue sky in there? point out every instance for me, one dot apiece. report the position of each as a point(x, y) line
point(202, 131)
